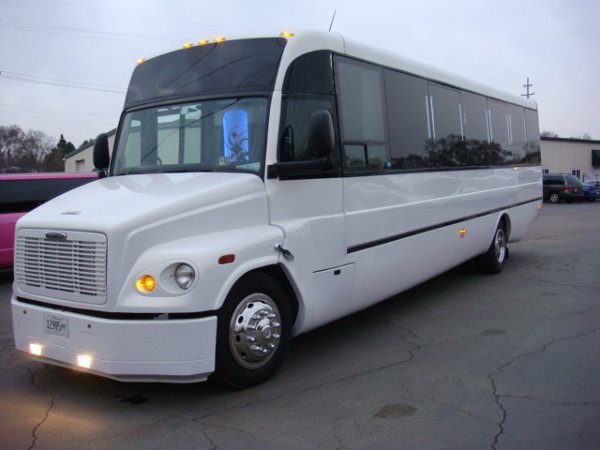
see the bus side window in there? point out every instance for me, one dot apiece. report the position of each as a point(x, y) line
point(362, 115)
point(297, 111)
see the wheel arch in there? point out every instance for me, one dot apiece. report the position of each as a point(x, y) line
point(277, 272)
point(505, 218)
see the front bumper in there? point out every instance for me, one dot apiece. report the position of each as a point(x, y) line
point(176, 351)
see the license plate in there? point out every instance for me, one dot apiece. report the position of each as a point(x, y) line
point(56, 325)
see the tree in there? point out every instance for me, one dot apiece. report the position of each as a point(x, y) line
point(54, 161)
point(550, 134)
point(22, 151)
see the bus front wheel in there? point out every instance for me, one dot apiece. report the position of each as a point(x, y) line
point(253, 332)
point(492, 261)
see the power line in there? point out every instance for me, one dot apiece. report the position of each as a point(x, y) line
point(57, 82)
point(145, 16)
point(80, 30)
point(98, 35)
point(58, 114)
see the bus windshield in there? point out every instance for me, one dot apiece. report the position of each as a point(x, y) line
point(213, 135)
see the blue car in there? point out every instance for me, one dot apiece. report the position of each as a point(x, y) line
point(591, 190)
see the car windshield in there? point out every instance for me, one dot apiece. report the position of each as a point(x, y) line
point(214, 135)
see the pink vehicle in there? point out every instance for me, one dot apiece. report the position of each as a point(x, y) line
point(20, 193)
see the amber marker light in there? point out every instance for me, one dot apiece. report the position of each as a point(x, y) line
point(226, 259)
point(140, 60)
point(286, 34)
point(188, 45)
point(219, 39)
point(462, 232)
point(145, 283)
point(84, 361)
point(203, 42)
point(35, 349)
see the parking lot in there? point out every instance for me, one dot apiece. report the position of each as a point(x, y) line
point(462, 361)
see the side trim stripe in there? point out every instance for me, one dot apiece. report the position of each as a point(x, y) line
point(397, 237)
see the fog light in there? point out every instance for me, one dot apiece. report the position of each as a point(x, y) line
point(84, 361)
point(145, 283)
point(184, 276)
point(36, 349)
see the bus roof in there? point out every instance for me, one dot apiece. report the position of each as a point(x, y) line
point(304, 42)
point(308, 41)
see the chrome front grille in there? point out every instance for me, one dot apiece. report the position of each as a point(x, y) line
point(71, 269)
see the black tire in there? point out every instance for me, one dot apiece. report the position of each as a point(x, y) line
point(252, 290)
point(554, 197)
point(493, 260)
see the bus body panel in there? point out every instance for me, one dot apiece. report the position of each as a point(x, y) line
point(344, 241)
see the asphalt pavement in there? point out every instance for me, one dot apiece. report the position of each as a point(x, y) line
point(462, 361)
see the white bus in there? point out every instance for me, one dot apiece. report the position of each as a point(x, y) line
point(260, 188)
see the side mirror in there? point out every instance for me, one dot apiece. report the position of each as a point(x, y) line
point(321, 134)
point(101, 158)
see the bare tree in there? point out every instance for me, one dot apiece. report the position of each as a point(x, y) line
point(22, 151)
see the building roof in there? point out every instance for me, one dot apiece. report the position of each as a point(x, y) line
point(80, 149)
point(572, 140)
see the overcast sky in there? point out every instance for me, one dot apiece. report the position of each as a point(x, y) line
point(47, 47)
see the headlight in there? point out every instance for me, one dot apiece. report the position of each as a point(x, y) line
point(184, 276)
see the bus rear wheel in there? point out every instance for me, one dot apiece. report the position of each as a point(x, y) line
point(492, 261)
point(253, 332)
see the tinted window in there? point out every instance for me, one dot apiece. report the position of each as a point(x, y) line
point(500, 123)
point(24, 195)
point(474, 111)
point(518, 141)
point(533, 136)
point(361, 101)
point(445, 112)
point(246, 65)
point(310, 73)
point(407, 119)
point(573, 180)
point(296, 124)
point(498, 120)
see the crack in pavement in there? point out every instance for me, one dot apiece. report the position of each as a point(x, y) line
point(204, 424)
point(499, 370)
point(556, 283)
point(552, 402)
point(34, 435)
point(295, 393)
point(447, 405)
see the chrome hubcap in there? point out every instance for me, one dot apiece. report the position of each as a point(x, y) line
point(254, 331)
point(500, 245)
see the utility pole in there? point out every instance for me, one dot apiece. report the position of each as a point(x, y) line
point(527, 86)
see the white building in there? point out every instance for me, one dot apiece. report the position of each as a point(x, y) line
point(82, 160)
point(580, 157)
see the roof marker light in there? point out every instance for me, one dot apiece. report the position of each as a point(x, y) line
point(219, 39)
point(203, 42)
point(286, 34)
point(188, 45)
point(140, 60)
